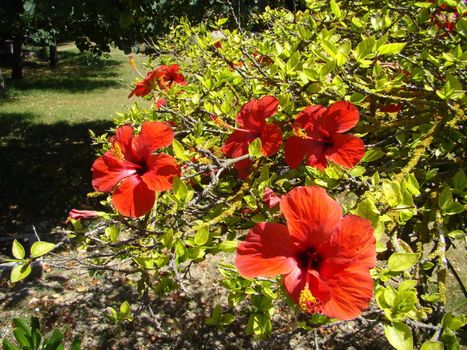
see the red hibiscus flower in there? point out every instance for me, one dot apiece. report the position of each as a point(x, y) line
point(324, 257)
point(320, 139)
point(252, 122)
point(77, 214)
point(132, 172)
point(146, 86)
point(167, 75)
point(163, 76)
point(270, 198)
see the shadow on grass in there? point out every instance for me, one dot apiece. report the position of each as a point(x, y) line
point(77, 72)
point(45, 171)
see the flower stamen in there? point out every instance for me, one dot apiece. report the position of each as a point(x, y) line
point(117, 151)
point(308, 302)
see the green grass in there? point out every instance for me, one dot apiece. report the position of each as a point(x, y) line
point(79, 90)
point(44, 140)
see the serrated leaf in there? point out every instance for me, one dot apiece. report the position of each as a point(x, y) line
point(399, 336)
point(399, 262)
point(18, 250)
point(41, 248)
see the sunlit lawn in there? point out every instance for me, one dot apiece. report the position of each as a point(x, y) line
point(44, 140)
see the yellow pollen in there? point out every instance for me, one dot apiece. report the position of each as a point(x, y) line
point(117, 151)
point(300, 133)
point(308, 302)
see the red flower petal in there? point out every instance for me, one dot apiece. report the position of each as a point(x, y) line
point(108, 171)
point(351, 289)
point(154, 135)
point(267, 251)
point(270, 198)
point(340, 117)
point(237, 143)
point(123, 137)
point(133, 198)
point(346, 150)
point(297, 148)
point(311, 215)
point(161, 171)
point(309, 117)
point(77, 214)
point(253, 114)
point(243, 168)
point(271, 139)
point(141, 89)
point(353, 240)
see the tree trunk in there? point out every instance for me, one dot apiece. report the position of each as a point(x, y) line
point(53, 56)
point(17, 59)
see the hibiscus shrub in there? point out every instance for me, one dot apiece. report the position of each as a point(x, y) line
point(324, 153)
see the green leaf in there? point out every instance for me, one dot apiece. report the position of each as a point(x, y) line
point(202, 236)
point(364, 48)
point(180, 189)
point(228, 246)
point(392, 193)
point(399, 336)
point(9, 346)
point(391, 49)
point(372, 154)
point(402, 261)
point(22, 338)
point(459, 180)
point(112, 232)
point(179, 150)
point(445, 198)
point(215, 317)
point(125, 309)
point(452, 89)
point(254, 148)
point(76, 345)
point(18, 250)
point(41, 248)
point(357, 97)
point(457, 234)
point(336, 10)
point(21, 323)
point(432, 345)
point(19, 272)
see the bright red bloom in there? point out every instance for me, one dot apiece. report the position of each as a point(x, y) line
point(167, 75)
point(252, 122)
point(320, 139)
point(132, 172)
point(270, 198)
point(77, 214)
point(324, 257)
point(159, 102)
point(163, 76)
point(144, 87)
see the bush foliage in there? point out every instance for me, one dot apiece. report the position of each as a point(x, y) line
point(400, 63)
